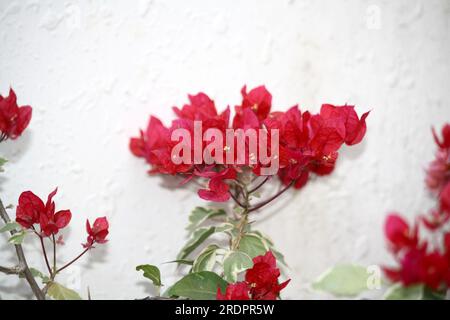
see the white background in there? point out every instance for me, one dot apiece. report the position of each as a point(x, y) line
point(94, 71)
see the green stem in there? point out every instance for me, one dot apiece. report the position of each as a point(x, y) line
point(243, 222)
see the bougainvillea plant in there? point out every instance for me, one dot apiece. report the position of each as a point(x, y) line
point(421, 249)
point(233, 160)
point(34, 217)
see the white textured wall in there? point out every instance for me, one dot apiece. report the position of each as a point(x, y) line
point(94, 70)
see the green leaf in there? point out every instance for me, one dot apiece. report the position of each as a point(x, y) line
point(59, 292)
point(234, 263)
point(414, 292)
point(225, 227)
point(10, 226)
point(151, 272)
point(253, 245)
point(206, 259)
point(197, 239)
point(182, 261)
point(2, 162)
point(17, 238)
point(198, 286)
point(200, 215)
point(343, 280)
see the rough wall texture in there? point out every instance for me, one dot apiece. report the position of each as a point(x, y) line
point(94, 70)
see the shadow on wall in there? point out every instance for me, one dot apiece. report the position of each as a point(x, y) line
point(14, 151)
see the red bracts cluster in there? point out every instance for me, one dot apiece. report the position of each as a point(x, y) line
point(421, 261)
point(13, 119)
point(97, 232)
point(308, 143)
point(261, 282)
point(31, 212)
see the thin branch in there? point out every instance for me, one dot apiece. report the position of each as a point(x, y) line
point(259, 185)
point(75, 259)
point(14, 270)
point(54, 253)
point(240, 204)
point(22, 260)
point(265, 202)
point(45, 256)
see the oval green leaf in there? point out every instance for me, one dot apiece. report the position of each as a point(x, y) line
point(198, 286)
point(151, 272)
point(253, 245)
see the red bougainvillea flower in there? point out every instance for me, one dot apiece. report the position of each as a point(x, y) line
point(307, 143)
point(97, 233)
point(443, 143)
point(438, 171)
point(346, 121)
point(31, 210)
point(399, 233)
point(418, 266)
point(444, 198)
point(261, 282)
point(263, 278)
point(50, 221)
point(420, 261)
point(310, 143)
point(217, 190)
point(435, 219)
point(235, 291)
point(259, 100)
point(13, 119)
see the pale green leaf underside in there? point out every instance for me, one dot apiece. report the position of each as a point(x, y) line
point(59, 292)
point(206, 259)
point(199, 215)
point(10, 226)
point(234, 263)
point(343, 280)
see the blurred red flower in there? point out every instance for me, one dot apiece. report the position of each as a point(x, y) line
point(13, 119)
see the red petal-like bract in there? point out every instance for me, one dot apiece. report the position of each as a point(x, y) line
point(98, 232)
point(29, 209)
point(261, 282)
point(235, 291)
point(421, 261)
